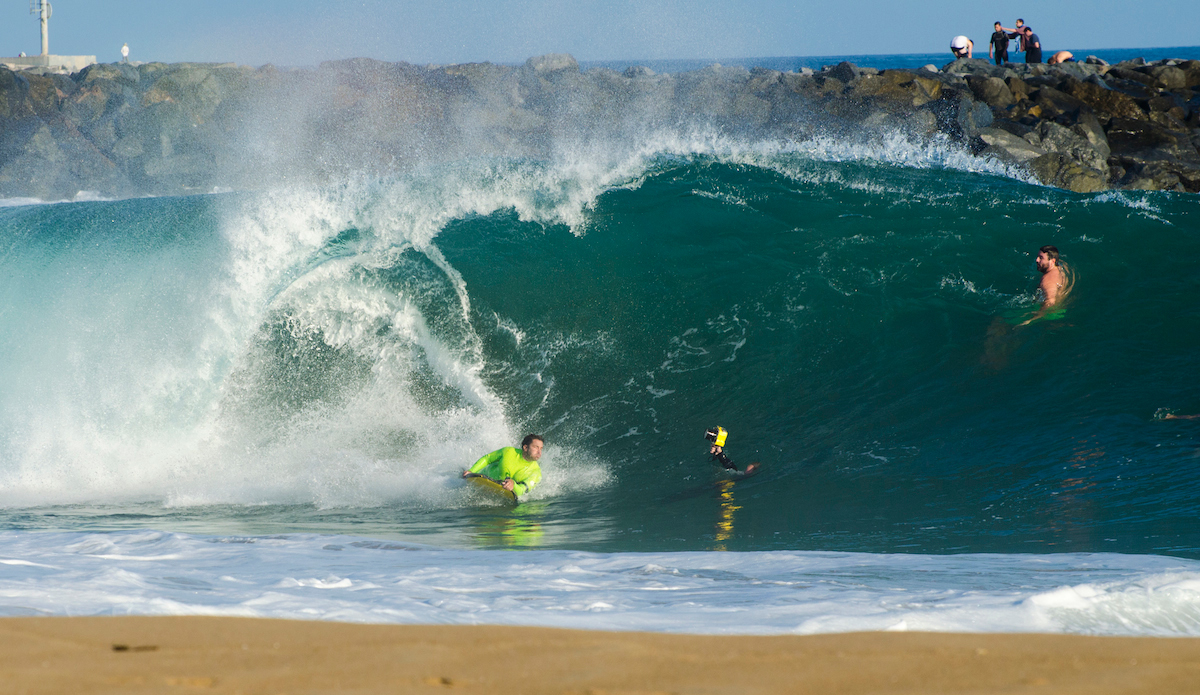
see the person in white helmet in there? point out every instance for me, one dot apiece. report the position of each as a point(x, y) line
point(962, 47)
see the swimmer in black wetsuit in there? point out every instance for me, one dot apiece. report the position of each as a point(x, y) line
point(717, 436)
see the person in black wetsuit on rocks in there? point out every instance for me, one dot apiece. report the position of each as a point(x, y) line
point(998, 47)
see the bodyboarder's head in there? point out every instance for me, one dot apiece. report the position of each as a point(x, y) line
point(531, 447)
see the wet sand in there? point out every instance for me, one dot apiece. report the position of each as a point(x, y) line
point(240, 655)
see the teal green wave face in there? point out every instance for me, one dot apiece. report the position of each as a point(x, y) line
point(841, 323)
point(333, 361)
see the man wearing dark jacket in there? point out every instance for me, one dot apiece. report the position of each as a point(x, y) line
point(1033, 47)
point(998, 48)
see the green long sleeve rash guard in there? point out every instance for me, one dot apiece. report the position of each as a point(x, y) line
point(509, 463)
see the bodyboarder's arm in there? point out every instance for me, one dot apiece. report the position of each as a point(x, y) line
point(526, 478)
point(484, 462)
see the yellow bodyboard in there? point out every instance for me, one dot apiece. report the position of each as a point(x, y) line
point(492, 487)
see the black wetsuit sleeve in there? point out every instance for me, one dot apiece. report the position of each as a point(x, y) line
point(725, 460)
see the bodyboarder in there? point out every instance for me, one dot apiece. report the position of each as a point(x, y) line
point(516, 470)
point(717, 436)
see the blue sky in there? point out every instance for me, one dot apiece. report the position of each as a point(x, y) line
point(305, 32)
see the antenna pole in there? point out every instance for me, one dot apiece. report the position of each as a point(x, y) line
point(46, 10)
point(45, 28)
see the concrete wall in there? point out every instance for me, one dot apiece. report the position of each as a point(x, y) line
point(70, 64)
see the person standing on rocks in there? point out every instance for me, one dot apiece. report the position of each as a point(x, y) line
point(961, 47)
point(1033, 47)
point(998, 47)
point(1017, 33)
point(125, 53)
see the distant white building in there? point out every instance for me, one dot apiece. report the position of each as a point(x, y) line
point(46, 60)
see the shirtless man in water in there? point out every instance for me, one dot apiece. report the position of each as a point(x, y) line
point(1054, 281)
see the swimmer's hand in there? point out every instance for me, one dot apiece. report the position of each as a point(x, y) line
point(1039, 315)
point(508, 484)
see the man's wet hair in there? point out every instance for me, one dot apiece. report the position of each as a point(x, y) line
point(1050, 251)
point(530, 437)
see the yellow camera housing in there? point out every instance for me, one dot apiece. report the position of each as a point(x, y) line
point(721, 435)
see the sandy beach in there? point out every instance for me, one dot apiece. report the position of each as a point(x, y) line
point(237, 655)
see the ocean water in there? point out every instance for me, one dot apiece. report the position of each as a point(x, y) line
point(899, 61)
point(258, 403)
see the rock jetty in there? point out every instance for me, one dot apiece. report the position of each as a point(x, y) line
point(168, 129)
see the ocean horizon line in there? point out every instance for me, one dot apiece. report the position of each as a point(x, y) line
point(879, 60)
point(673, 65)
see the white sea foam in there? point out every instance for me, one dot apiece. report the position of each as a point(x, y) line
point(364, 580)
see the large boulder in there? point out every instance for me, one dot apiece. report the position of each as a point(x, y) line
point(922, 88)
point(121, 73)
point(1053, 137)
point(991, 91)
point(1152, 176)
point(1107, 101)
point(1055, 103)
point(54, 162)
point(1088, 127)
point(1008, 147)
point(959, 115)
point(844, 71)
point(1057, 169)
point(1141, 93)
point(1167, 76)
point(1079, 71)
point(973, 66)
point(895, 91)
point(14, 95)
point(553, 62)
point(1143, 141)
point(1127, 73)
point(44, 95)
point(1191, 72)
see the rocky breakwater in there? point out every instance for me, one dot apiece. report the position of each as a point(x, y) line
point(1089, 126)
point(1080, 126)
point(168, 129)
point(118, 130)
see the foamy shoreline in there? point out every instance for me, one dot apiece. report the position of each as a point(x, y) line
point(229, 655)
